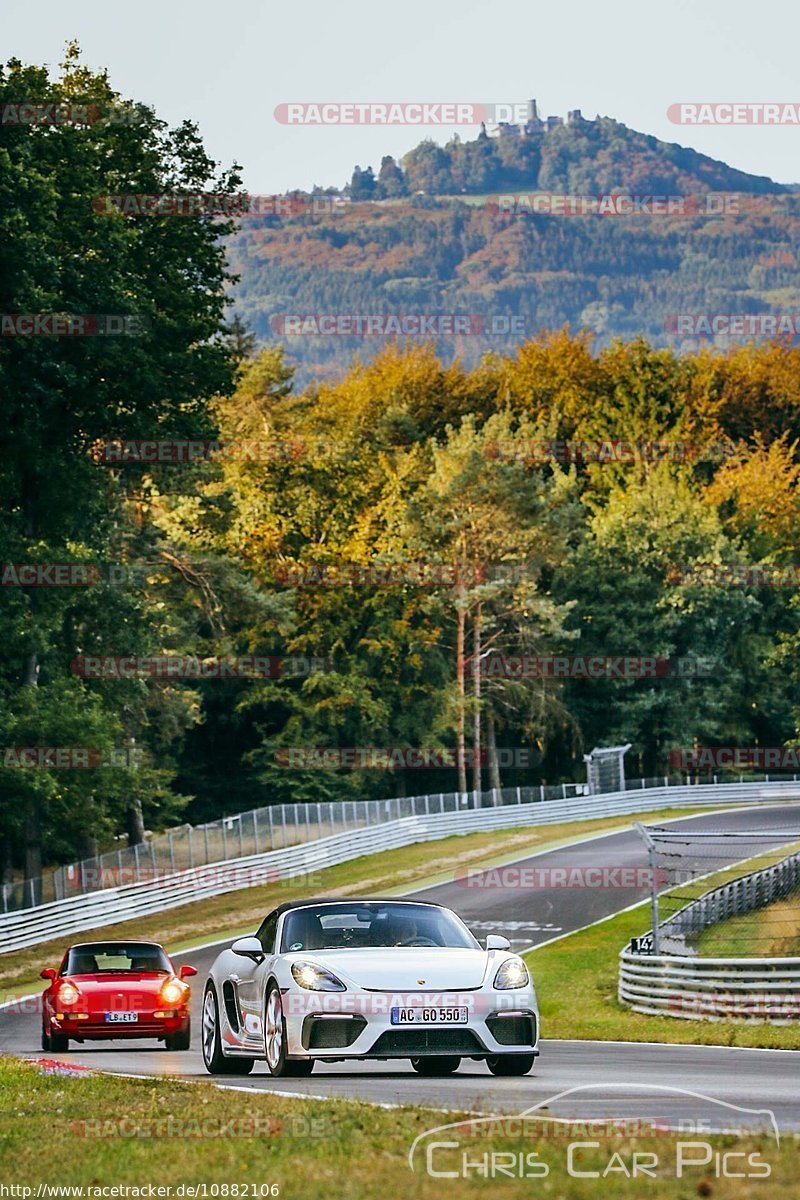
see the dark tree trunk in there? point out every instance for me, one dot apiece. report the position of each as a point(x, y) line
point(135, 822)
point(491, 749)
point(476, 695)
point(30, 678)
point(87, 846)
point(461, 618)
point(33, 839)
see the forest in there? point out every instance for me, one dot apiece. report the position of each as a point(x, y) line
point(454, 229)
point(217, 572)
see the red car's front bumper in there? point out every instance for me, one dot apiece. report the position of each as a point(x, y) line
point(95, 1027)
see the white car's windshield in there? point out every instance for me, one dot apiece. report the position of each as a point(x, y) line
point(352, 924)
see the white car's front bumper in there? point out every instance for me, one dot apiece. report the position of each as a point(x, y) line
point(358, 1024)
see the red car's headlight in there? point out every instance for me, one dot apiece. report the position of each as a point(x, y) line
point(172, 992)
point(68, 994)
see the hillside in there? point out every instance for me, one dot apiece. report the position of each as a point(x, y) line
point(380, 247)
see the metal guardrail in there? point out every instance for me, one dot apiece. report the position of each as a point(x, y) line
point(112, 905)
point(275, 827)
point(754, 989)
point(241, 835)
point(681, 984)
point(733, 899)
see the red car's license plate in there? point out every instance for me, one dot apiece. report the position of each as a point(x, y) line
point(430, 1016)
point(122, 1018)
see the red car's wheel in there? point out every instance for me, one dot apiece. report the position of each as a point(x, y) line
point(181, 1040)
point(59, 1042)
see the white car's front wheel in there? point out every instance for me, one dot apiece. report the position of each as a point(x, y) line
point(510, 1064)
point(215, 1061)
point(444, 1064)
point(275, 1040)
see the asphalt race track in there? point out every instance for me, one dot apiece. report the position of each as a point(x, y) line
point(622, 1080)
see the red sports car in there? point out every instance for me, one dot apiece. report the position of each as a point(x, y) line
point(116, 990)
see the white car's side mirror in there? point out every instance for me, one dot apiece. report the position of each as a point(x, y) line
point(249, 947)
point(496, 941)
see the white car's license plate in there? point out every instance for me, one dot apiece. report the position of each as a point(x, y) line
point(430, 1016)
point(122, 1018)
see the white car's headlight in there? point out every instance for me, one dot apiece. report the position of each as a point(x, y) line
point(512, 974)
point(316, 979)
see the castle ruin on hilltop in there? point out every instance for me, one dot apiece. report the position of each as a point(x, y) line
point(536, 124)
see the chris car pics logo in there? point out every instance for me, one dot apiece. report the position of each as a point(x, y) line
point(694, 1140)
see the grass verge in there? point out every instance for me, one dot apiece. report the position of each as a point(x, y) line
point(96, 1131)
point(234, 913)
point(771, 932)
point(576, 982)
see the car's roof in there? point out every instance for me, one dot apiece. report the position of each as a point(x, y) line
point(116, 942)
point(320, 900)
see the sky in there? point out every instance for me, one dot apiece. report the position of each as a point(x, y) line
point(227, 67)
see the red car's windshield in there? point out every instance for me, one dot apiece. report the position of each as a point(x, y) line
point(96, 957)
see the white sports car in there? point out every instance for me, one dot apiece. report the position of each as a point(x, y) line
point(368, 979)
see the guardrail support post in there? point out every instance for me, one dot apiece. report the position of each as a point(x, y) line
point(651, 855)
